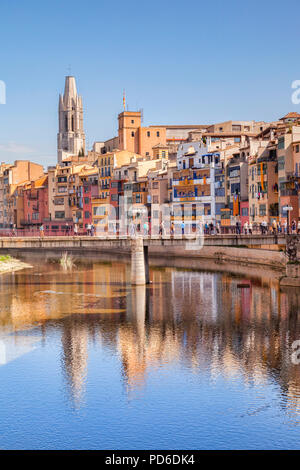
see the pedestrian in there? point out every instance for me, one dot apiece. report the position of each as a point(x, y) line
point(41, 230)
point(279, 227)
point(88, 229)
point(298, 226)
point(131, 229)
point(246, 228)
point(274, 226)
point(75, 230)
point(145, 228)
point(250, 228)
point(92, 230)
point(182, 228)
point(172, 229)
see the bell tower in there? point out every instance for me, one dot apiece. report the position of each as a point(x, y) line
point(71, 136)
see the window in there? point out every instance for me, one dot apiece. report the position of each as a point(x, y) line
point(280, 163)
point(132, 134)
point(59, 201)
point(59, 214)
point(155, 185)
point(297, 148)
point(157, 134)
point(62, 189)
point(100, 210)
point(148, 133)
point(281, 143)
point(86, 200)
point(262, 209)
point(86, 215)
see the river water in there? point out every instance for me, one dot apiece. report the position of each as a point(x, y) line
point(197, 359)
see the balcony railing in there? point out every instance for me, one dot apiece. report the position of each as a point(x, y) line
point(289, 192)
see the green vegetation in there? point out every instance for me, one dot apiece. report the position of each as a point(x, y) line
point(5, 258)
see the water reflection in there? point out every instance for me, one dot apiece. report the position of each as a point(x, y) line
point(209, 323)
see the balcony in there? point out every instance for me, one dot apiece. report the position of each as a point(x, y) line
point(289, 192)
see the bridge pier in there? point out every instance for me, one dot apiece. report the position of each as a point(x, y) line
point(139, 262)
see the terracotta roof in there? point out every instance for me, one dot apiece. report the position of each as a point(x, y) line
point(41, 181)
point(291, 116)
point(89, 171)
point(160, 146)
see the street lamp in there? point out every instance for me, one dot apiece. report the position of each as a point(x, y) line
point(288, 209)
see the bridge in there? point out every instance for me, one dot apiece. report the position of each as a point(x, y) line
point(139, 246)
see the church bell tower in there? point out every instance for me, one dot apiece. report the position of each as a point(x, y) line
point(70, 137)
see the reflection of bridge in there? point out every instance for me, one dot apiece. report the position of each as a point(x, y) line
point(139, 246)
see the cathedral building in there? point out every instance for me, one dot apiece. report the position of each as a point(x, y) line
point(70, 137)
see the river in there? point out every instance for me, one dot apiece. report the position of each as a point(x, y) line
point(195, 360)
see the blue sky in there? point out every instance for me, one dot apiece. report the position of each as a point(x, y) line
point(187, 62)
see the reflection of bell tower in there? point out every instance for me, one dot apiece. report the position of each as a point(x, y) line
point(70, 137)
point(75, 354)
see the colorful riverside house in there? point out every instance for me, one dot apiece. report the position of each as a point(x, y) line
point(65, 192)
point(244, 212)
point(288, 172)
point(116, 193)
point(236, 178)
point(90, 190)
point(100, 214)
point(35, 201)
point(12, 175)
point(263, 186)
point(194, 185)
point(133, 189)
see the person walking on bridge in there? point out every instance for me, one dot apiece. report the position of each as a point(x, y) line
point(41, 231)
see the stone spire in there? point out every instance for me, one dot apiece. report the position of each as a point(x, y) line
point(70, 137)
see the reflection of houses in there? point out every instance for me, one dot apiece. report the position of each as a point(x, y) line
point(216, 322)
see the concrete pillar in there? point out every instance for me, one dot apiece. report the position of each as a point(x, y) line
point(138, 275)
